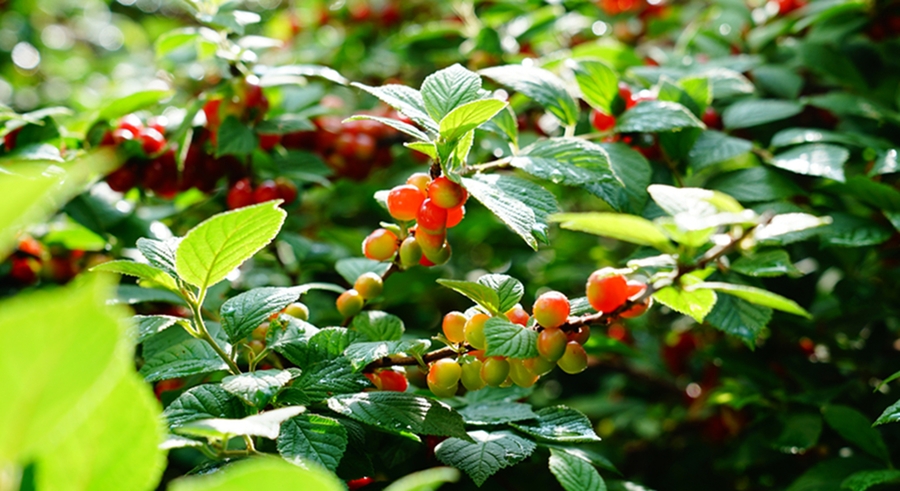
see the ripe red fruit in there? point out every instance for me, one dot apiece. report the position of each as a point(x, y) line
point(29, 245)
point(266, 191)
point(634, 289)
point(167, 386)
point(240, 194)
point(606, 291)
point(380, 245)
point(9, 140)
point(579, 335)
point(446, 194)
point(393, 381)
point(131, 123)
point(122, 179)
point(161, 176)
point(711, 118)
point(455, 216)
point(122, 134)
point(152, 141)
point(359, 483)
point(454, 325)
point(551, 343)
point(518, 315)
point(211, 110)
point(286, 189)
point(551, 309)
point(404, 202)
point(268, 142)
point(431, 218)
point(158, 123)
point(601, 121)
point(24, 270)
point(375, 378)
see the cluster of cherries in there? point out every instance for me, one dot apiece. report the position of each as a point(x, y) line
point(243, 193)
point(643, 7)
point(32, 261)
point(435, 205)
point(153, 167)
point(607, 291)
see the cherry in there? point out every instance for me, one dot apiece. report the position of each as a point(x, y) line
point(446, 194)
point(267, 142)
point(120, 135)
point(551, 343)
point(349, 303)
point(131, 123)
point(9, 140)
point(539, 365)
point(29, 245)
point(606, 290)
point(444, 372)
point(152, 141)
point(551, 309)
point(410, 252)
point(420, 180)
point(122, 179)
point(431, 218)
point(455, 216)
point(380, 245)
point(439, 391)
point(601, 121)
point(393, 381)
point(574, 360)
point(471, 375)
point(627, 97)
point(240, 194)
point(711, 118)
point(518, 315)
point(161, 176)
point(454, 325)
point(369, 285)
point(404, 202)
point(437, 257)
point(494, 370)
point(158, 123)
point(287, 190)
point(297, 310)
point(580, 335)
point(375, 378)
point(167, 386)
point(634, 289)
point(266, 191)
point(424, 261)
point(474, 331)
point(520, 374)
point(355, 484)
point(24, 270)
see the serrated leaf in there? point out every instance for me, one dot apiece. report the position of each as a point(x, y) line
point(353, 267)
point(235, 138)
point(400, 412)
point(469, 116)
point(378, 326)
point(323, 380)
point(522, 205)
point(573, 473)
point(243, 313)
point(739, 318)
point(144, 272)
point(405, 100)
point(814, 159)
point(756, 184)
point(851, 231)
point(765, 264)
point(223, 242)
point(754, 112)
point(756, 296)
point(256, 388)
point(713, 147)
point(509, 290)
point(497, 412)
point(889, 415)
point(789, 227)
point(696, 303)
point(656, 116)
point(801, 432)
point(173, 353)
point(568, 161)
point(160, 253)
point(447, 89)
point(486, 454)
point(204, 402)
point(539, 84)
point(312, 438)
point(361, 354)
point(398, 125)
point(863, 480)
point(483, 295)
point(148, 325)
point(326, 344)
point(628, 228)
point(633, 170)
point(598, 82)
point(265, 424)
point(854, 427)
point(261, 473)
point(511, 340)
point(427, 480)
point(797, 136)
point(559, 424)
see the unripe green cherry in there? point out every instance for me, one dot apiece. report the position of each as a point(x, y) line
point(420, 180)
point(298, 310)
point(444, 372)
point(410, 253)
point(369, 285)
point(574, 360)
point(539, 365)
point(494, 371)
point(551, 309)
point(439, 391)
point(551, 344)
point(474, 331)
point(380, 245)
point(439, 257)
point(471, 375)
point(454, 325)
point(349, 303)
point(520, 374)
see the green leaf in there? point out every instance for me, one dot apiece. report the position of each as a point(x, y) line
point(148, 325)
point(405, 100)
point(361, 354)
point(261, 473)
point(598, 82)
point(656, 116)
point(573, 473)
point(522, 205)
point(889, 415)
point(692, 201)
point(854, 427)
point(400, 412)
point(669, 92)
point(568, 161)
point(353, 267)
point(323, 380)
point(174, 353)
point(265, 424)
point(539, 84)
point(797, 136)
point(755, 295)
point(204, 402)
point(739, 318)
point(160, 253)
point(235, 138)
point(509, 290)
point(754, 112)
point(789, 227)
point(886, 163)
point(223, 242)
point(801, 432)
point(378, 326)
point(496, 412)
point(700, 91)
point(756, 184)
point(713, 147)
point(469, 116)
point(852, 231)
point(486, 454)
point(448, 89)
point(312, 438)
point(133, 294)
point(398, 125)
point(778, 80)
point(427, 480)
point(877, 194)
point(559, 424)
point(126, 105)
point(243, 313)
point(694, 303)
point(828, 475)
point(766, 264)
point(483, 295)
point(863, 480)
point(144, 272)
point(628, 228)
point(814, 159)
point(256, 388)
point(634, 171)
point(326, 344)
point(511, 340)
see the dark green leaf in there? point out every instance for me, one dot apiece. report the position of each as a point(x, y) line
point(633, 170)
point(568, 161)
point(495, 413)
point(173, 353)
point(378, 326)
point(312, 438)
point(256, 388)
point(322, 380)
point(235, 138)
point(539, 84)
point(739, 318)
point(361, 354)
point(559, 424)
point(775, 262)
point(889, 415)
point(511, 340)
point(509, 290)
point(814, 159)
point(486, 454)
point(400, 412)
point(713, 147)
point(801, 431)
point(160, 253)
point(243, 313)
point(756, 184)
point(148, 325)
point(445, 90)
point(204, 402)
point(657, 116)
point(863, 480)
point(852, 231)
point(573, 473)
point(405, 100)
point(753, 112)
point(854, 427)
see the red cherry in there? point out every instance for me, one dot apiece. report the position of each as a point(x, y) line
point(518, 315)
point(29, 245)
point(359, 483)
point(9, 141)
point(606, 291)
point(158, 123)
point(626, 95)
point(551, 309)
point(240, 194)
point(167, 386)
point(455, 216)
point(122, 179)
point(131, 123)
point(24, 269)
point(211, 110)
point(152, 141)
point(446, 194)
point(266, 191)
point(431, 218)
point(711, 118)
point(120, 135)
point(287, 190)
point(268, 142)
point(393, 381)
point(404, 202)
point(380, 245)
point(161, 176)
point(601, 121)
